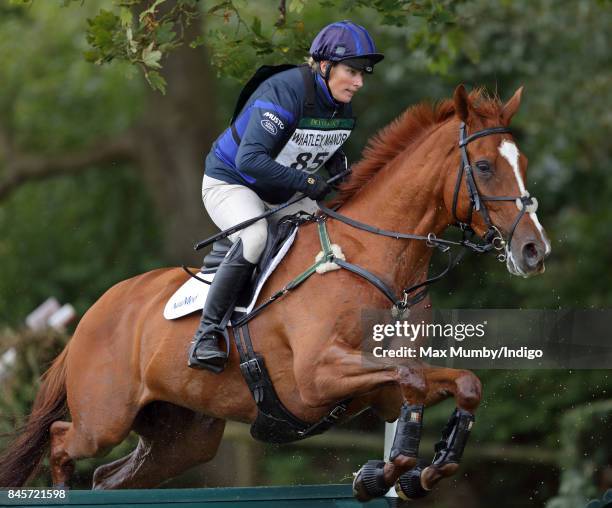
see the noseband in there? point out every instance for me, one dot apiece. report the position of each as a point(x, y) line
point(525, 203)
point(493, 239)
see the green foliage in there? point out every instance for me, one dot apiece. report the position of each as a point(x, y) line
point(141, 39)
point(52, 101)
point(33, 353)
point(539, 397)
point(100, 36)
point(289, 465)
point(229, 50)
point(586, 442)
point(74, 236)
point(243, 34)
point(89, 231)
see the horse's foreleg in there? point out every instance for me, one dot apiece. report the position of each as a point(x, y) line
point(467, 390)
point(376, 477)
point(461, 384)
point(341, 371)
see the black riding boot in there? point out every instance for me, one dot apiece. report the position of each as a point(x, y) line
point(231, 277)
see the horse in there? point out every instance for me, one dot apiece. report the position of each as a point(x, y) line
point(125, 367)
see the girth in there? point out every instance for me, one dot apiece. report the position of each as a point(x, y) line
point(274, 422)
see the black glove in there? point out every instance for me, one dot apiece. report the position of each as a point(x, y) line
point(316, 187)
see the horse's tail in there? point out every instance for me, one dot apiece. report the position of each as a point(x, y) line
point(21, 458)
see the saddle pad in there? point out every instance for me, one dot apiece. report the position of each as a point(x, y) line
point(191, 296)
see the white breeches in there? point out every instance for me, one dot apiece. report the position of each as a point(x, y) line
point(229, 204)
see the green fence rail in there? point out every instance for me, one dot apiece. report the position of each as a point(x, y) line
point(317, 496)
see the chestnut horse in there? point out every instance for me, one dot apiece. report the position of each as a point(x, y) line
point(125, 368)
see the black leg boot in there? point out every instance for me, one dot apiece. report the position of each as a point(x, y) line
point(233, 273)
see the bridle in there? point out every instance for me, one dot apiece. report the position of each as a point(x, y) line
point(493, 239)
point(525, 203)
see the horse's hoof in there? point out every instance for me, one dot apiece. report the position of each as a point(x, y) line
point(409, 487)
point(432, 474)
point(369, 481)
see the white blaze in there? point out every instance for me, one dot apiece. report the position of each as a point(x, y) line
point(509, 151)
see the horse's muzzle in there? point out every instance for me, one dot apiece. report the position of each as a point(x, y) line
point(529, 260)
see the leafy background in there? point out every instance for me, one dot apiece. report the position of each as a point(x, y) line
point(107, 110)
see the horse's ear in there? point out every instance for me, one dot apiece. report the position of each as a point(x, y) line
point(511, 107)
point(462, 103)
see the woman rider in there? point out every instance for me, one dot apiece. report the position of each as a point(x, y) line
point(292, 125)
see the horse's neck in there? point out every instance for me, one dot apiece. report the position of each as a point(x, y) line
point(407, 196)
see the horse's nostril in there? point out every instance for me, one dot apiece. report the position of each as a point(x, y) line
point(532, 255)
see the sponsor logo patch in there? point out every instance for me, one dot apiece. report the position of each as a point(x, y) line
point(272, 117)
point(269, 126)
point(188, 300)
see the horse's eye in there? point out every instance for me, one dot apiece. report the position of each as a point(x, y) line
point(483, 166)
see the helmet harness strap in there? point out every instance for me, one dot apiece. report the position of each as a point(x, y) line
point(325, 75)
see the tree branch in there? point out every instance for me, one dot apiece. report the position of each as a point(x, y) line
point(21, 168)
point(282, 18)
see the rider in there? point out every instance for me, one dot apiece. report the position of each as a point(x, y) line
point(293, 123)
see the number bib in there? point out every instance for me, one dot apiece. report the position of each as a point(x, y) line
point(314, 141)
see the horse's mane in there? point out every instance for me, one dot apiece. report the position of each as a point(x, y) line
point(405, 130)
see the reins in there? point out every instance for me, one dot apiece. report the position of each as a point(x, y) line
point(401, 304)
point(493, 238)
point(244, 224)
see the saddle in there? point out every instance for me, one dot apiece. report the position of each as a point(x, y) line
point(274, 422)
point(277, 236)
point(191, 296)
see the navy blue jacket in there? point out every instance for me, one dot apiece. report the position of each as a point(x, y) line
point(251, 163)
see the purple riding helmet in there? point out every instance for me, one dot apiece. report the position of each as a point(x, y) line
point(346, 42)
